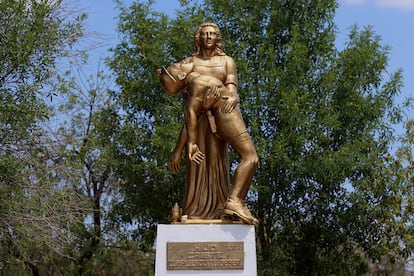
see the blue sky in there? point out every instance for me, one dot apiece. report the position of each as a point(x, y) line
point(393, 20)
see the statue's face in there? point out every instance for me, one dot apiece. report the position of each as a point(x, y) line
point(208, 38)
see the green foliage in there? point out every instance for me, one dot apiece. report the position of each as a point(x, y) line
point(151, 119)
point(122, 258)
point(86, 199)
point(320, 118)
point(38, 211)
point(392, 190)
point(34, 34)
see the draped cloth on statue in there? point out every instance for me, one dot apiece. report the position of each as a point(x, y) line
point(207, 184)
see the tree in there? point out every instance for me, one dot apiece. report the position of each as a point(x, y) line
point(395, 199)
point(84, 151)
point(320, 117)
point(83, 142)
point(143, 140)
point(38, 213)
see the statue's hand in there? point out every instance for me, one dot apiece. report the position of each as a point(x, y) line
point(194, 153)
point(212, 94)
point(174, 162)
point(229, 104)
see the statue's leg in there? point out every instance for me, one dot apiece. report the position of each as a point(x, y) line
point(231, 127)
point(247, 167)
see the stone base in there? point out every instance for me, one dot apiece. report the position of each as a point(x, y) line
point(208, 236)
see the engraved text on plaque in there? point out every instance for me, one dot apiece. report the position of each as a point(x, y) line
point(205, 255)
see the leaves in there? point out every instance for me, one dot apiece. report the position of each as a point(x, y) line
point(331, 195)
point(320, 118)
point(38, 211)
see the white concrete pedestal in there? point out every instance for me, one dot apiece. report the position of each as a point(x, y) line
point(206, 233)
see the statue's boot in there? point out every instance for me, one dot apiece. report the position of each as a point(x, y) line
point(235, 207)
point(255, 220)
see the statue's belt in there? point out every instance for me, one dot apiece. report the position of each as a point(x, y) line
point(211, 121)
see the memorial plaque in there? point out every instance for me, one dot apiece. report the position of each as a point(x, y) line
point(205, 255)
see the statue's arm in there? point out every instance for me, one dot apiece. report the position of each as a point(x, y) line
point(174, 162)
point(230, 96)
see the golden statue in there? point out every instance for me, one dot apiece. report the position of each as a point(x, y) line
point(208, 82)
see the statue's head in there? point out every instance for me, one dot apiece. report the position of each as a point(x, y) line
point(173, 78)
point(219, 51)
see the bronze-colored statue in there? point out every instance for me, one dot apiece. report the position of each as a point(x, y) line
point(208, 82)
